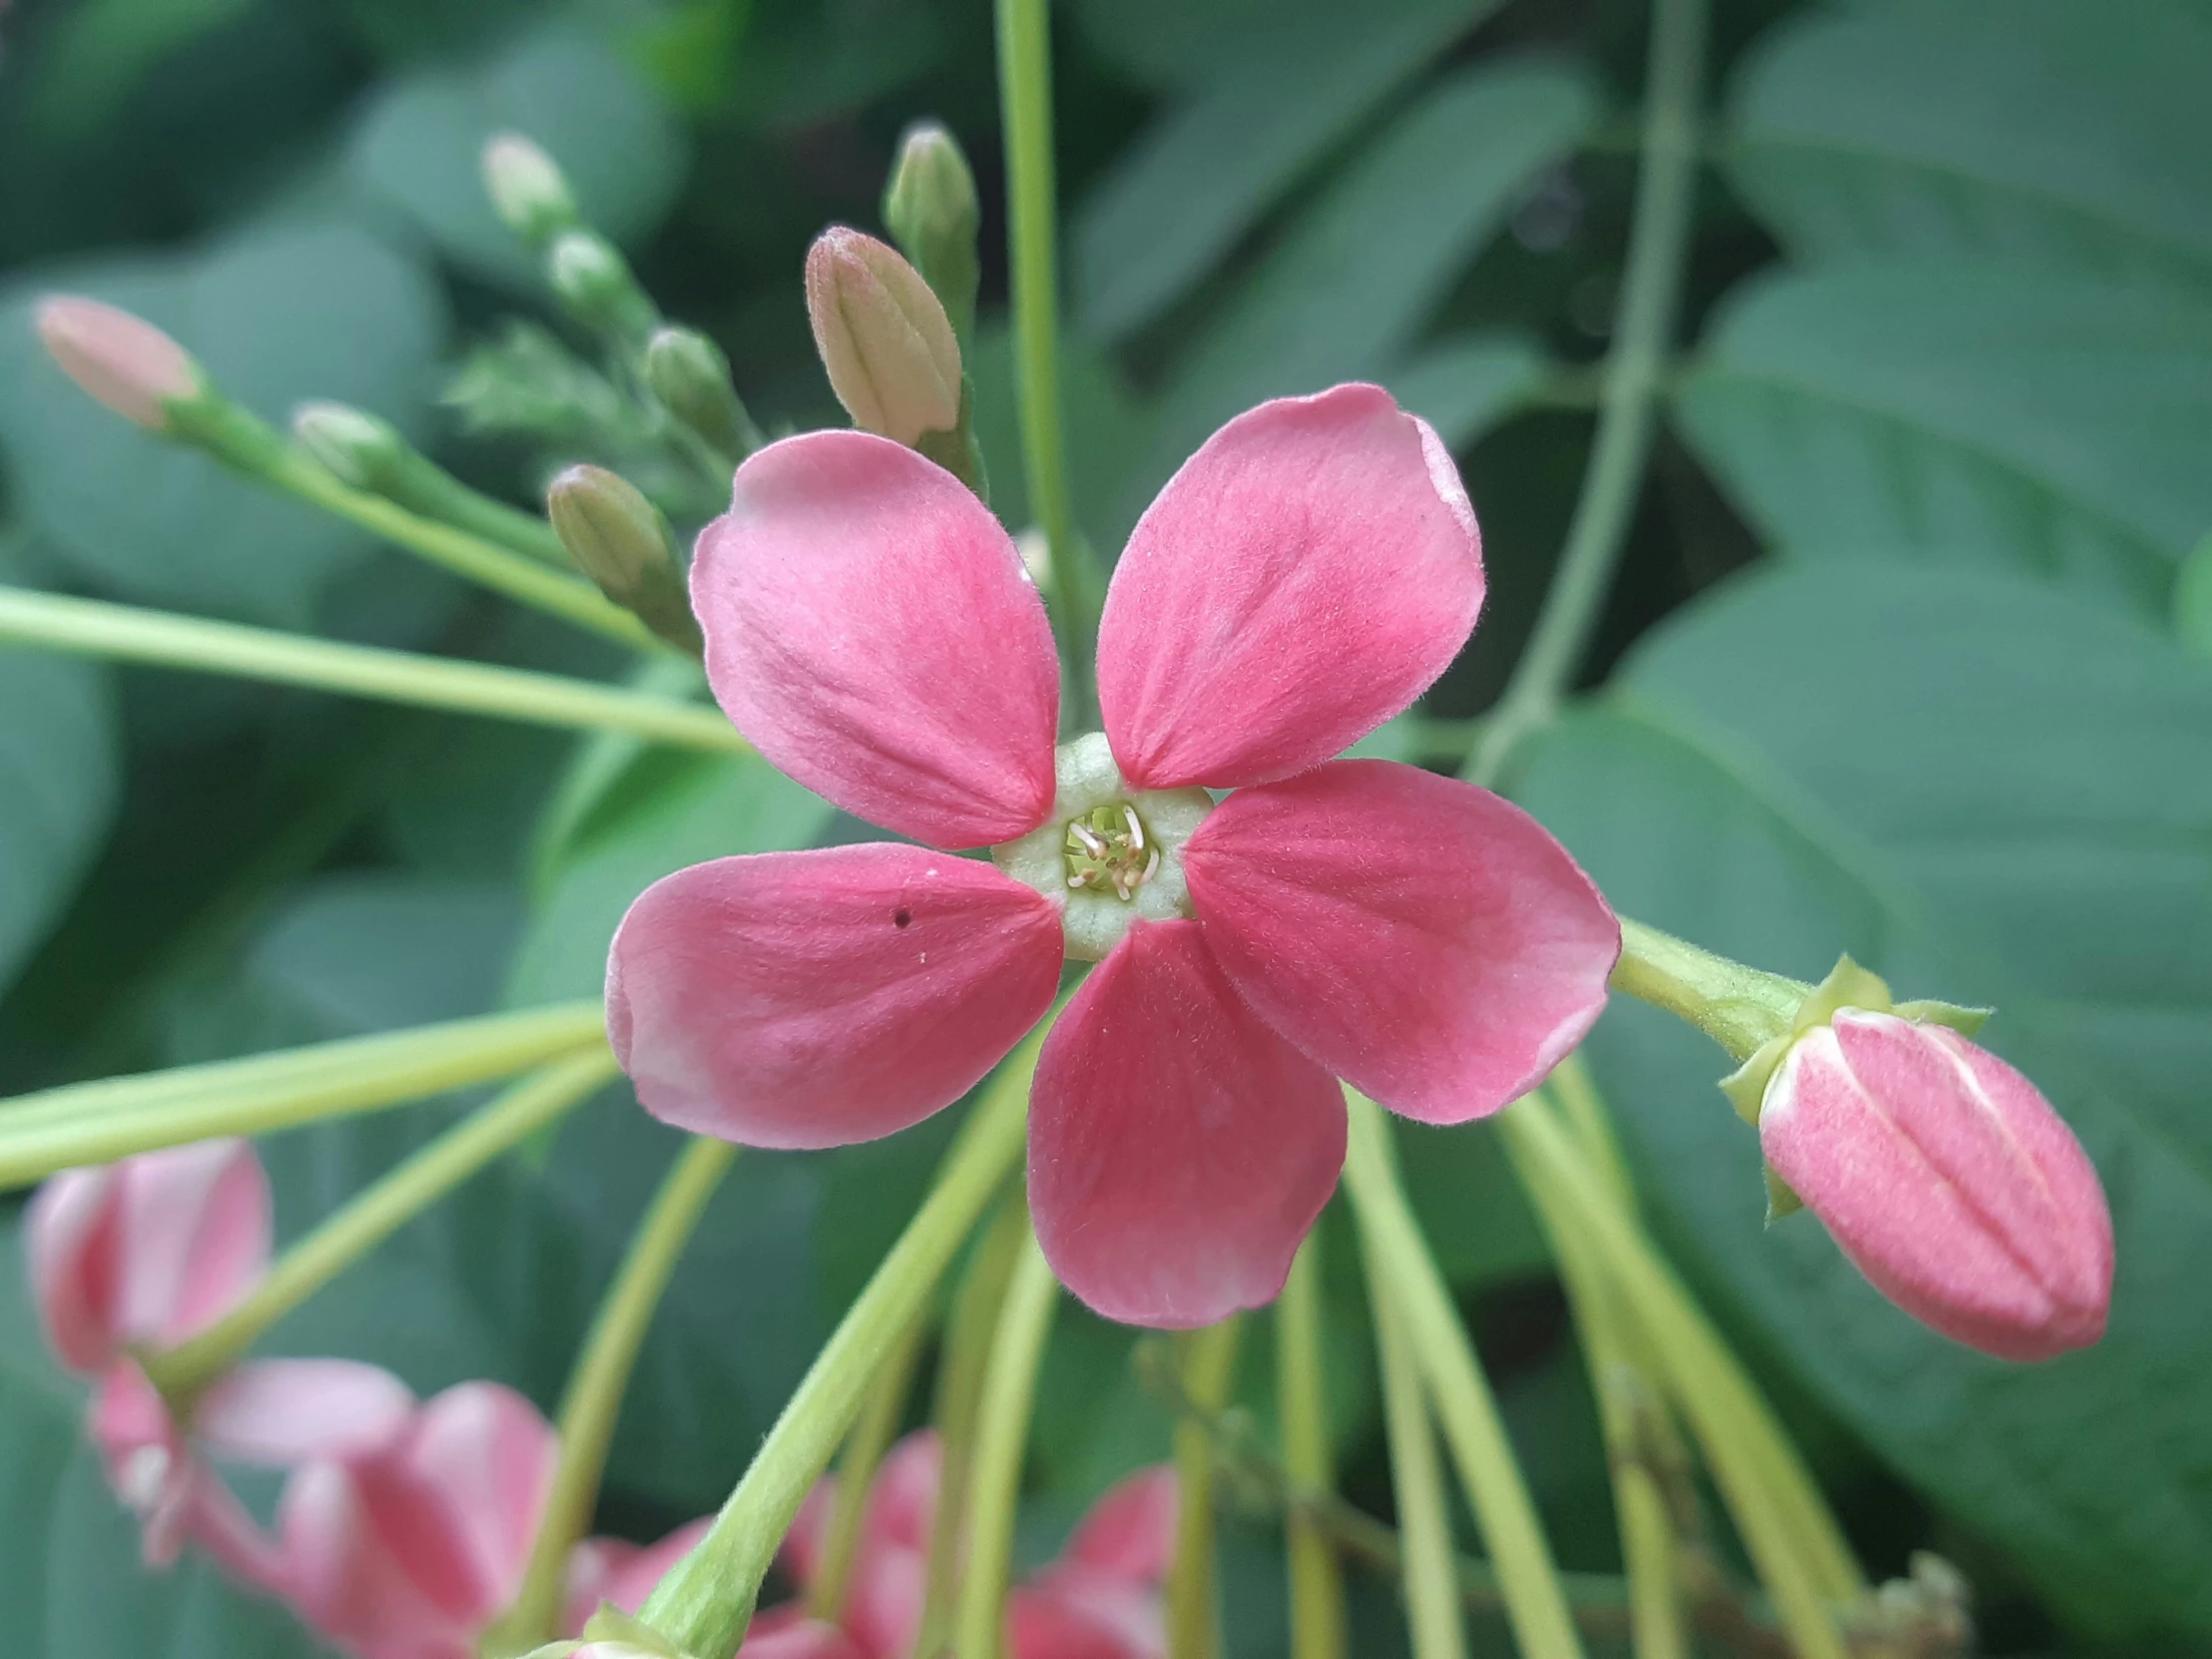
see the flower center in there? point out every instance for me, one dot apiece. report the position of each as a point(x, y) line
point(1109, 856)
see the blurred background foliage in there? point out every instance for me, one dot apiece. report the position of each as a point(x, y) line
point(1899, 662)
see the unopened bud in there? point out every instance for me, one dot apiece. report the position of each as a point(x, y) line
point(1941, 1172)
point(123, 360)
point(689, 373)
point(591, 279)
point(931, 208)
point(528, 190)
point(620, 540)
point(884, 338)
point(354, 446)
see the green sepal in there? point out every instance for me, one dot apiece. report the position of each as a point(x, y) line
point(611, 1624)
point(1968, 1022)
point(957, 451)
point(1780, 1201)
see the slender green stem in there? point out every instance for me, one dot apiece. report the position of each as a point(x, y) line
point(94, 1123)
point(1317, 1581)
point(593, 1400)
point(995, 1485)
point(1026, 100)
point(1739, 1007)
point(1723, 1406)
point(129, 632)
point(967, 1348)
point(703, 1605)
point(1208, 1362)
point(1535, 1604)
point(421, 487)
point(871, 1437)
point(1651, 291)
point(377, 1212)
point(1417, 1481)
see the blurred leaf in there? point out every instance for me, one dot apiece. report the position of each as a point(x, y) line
point(100, 50)
point(1948, 412)
point(276, 316)
point(59, 786)
point(1107, 429)
point(802, 62)
point(1279, 90)
point(1994, 794)
point(1468, 383)
point(2073, 133)
point(2193, 599)
point(1472, 1211)
point(420, 143)
point(1352, 282)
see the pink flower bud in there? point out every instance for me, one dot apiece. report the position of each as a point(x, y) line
point(123, 360)
point(892, 357)
point(1947, 1179)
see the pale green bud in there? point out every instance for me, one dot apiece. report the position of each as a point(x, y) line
point(591, 279)
point(528, 190)
point(354, 446)
point(931, 208)
point(884, 338)
point(689, 373)
point(620, 540)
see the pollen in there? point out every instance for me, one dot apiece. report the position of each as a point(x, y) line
point(1106, 851)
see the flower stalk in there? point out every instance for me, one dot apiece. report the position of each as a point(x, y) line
point(871, 1437)
point(162, 638)
point(1317, 1581)
point(1739, 1007)
point(1208, 1362)
point(1417, 1481)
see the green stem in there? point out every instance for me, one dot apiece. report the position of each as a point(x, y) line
point(967, 1349)
point(864, 1451)
point(127, 633)
point(1025, 99)
point(1208, 1366)
point(705, 1603)
point(1535, 1605)
point(421, 487)
point(1417, 1481)
point(1739, 1007)
point(95, 1123)
point(1723, 1406)
point(1316, 1580)
point(593, 1400)
point(1651, 291)
point(1010, 1395)
point(377, 1212)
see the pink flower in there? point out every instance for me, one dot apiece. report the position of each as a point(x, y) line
point(132, 1258)
point(122, 361)
point(1947, 1179)
point(1306, 576)
point(616, 1570)
point(1099, 1600)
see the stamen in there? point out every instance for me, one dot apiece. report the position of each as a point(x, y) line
point(1136, 828)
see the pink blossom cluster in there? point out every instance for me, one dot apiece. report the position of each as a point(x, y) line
point(405, 1526)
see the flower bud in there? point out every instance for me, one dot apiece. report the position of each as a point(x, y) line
point(931, 208)
point(591, 279)
point(123, 360)
point(619, 539)
point(885, 340)
point(357, 448)
point(527, 190)
point(689, 373)
point(1943, 1175)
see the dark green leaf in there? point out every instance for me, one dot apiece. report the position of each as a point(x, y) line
point(58, 788)
point(1467, 385)
point(1992, 793)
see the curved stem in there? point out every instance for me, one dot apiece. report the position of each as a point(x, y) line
point(706, 1601)
point(1208, 1364)
point(1010, 1395)
point(1416, 1483)
point(593, 1400)
point(1535, 1603)
point(1651, 291)
point(130, 633)
point(1316, 1580)
point(377, 1212)
point(864, 1451)
point(1025, 101)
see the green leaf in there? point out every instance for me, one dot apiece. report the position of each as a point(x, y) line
point(1276, 97)
point(1991, 793)
point(1108, 431)
point(1947, 411)
point(276, 315)
point(100, 52)
point(59, 785)
point(1352, 282)
point(419, 144)
point(2058, 132)
point(1468, 383)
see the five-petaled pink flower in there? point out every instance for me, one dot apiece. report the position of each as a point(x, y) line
point(1304, 576)
point(132, 1258)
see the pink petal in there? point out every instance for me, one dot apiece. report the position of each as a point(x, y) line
point(1129, 1534)
point(348, 1584)
point(1178, 1150)
point(1424, 940)
point(814, 999)
point(195, 1229)
point(799, 1554)
point(903, 1499)
point(147, 1464)
point(71, 1227)
point(800, 1639)
point(1304, 576)
point(616, 1570)
point(279, 1412)
point(1077, 1615)
point(882, 1608)
point(870, 628)
point(489, 1455)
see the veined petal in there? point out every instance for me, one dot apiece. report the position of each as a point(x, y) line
point(1304, 576)
point(870, 628)
point(279, 1412)
point(1425, 940)
point(1179, 1149)
point(814, 999)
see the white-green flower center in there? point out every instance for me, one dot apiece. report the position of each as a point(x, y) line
point(1109, 856)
